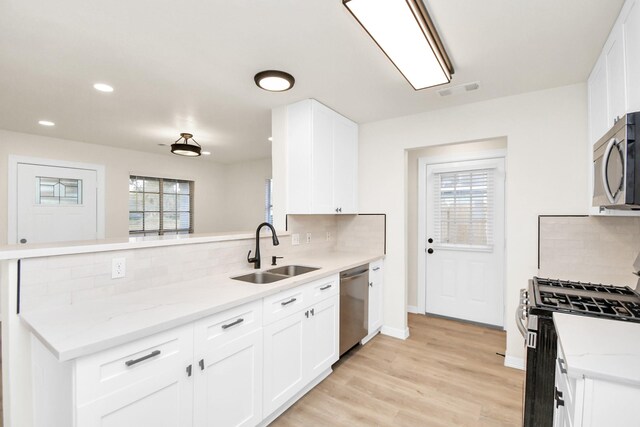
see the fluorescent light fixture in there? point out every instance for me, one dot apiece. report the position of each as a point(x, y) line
point(46, 123)
point(103, 87)
point(405, 33)
point(274, 80)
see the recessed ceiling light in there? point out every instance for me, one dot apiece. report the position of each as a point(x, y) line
point(274, 81)
point(103, 87)
point(206, 153)
point(46, 123)
point(270, 138)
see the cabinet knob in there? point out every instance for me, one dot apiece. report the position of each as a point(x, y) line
point(429, 251)
point(23, 241)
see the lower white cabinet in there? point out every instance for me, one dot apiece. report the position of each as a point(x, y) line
point(223, 370)
point(142, 383)
point(208, 373)
point(300, 347)
point(375, 296)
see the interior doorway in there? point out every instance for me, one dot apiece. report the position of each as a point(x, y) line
point(418, 158)
point(54, 201)
point(464, 257)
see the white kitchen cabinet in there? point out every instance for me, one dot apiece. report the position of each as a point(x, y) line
point(228, 368)
point(616, 83)
point(375, 296)
point(322, 160)
point(631, 35)
point(598, 101)
point(302, 346)
point(202, 374)
point(146, 382)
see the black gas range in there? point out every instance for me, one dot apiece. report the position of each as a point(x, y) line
point(537, 305)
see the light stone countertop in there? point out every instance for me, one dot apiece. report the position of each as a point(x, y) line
point(600, 348)
point(77, 330)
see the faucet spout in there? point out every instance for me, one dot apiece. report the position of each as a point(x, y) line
point(256, 259)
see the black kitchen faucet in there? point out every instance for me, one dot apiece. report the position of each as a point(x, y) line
point(256, 259)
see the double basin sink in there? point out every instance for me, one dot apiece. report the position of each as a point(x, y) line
point(275, 274)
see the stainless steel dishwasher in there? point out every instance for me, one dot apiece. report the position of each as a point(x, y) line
point(354, 306)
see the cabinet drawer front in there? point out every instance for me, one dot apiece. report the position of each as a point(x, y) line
point(319, 290)
point(221, 328)
point(285, 303)
point(120, 367)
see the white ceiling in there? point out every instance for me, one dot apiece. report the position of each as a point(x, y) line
point(188, 65)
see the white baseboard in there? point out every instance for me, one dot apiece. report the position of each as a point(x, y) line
point(401, 334)
point(514, 362)
point(413, 309)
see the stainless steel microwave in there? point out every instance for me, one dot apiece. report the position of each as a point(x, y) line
point(616, 166)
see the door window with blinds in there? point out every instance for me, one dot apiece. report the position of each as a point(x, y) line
point(159, 206)
point(463, 208)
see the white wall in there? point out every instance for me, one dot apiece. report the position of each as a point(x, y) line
point(245, 194)
point(212, 183)
point(546, 134)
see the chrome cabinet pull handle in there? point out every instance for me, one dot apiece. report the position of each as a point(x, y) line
point(148, 356)
point(234, 323)
point(288, 302)
point(562, 368)
point(376, 268)
point(189, 370)
point(324, 288)
point(201, 364)
point(313, 311)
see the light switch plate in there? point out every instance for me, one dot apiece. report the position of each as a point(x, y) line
point(295, 239)
point(118, 267)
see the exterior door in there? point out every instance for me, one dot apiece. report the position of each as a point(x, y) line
point(465, 240)
point(55, 204)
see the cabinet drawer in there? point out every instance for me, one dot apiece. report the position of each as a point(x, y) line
point(221, 328)
point(321, 289)
point(100, 374)
point(282, 304)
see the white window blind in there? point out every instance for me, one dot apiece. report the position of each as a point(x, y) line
point(463, 208)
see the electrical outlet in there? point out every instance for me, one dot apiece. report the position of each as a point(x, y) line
point(118, 267)
point(308, 237)
point(295, 239)
point(328, 235)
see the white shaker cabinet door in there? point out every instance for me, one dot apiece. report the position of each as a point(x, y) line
point(228, 368)
point(155, 390)
point(616, 85)
point(598, 101)
point(375, 296)
point(323, 348)
point(284, 354)
point(345, 165)
point(322, 165)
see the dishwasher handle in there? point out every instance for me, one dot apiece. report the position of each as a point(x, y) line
point(354, 275)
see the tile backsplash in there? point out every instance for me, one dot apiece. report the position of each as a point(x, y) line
point(70, 279)
point(590, 249)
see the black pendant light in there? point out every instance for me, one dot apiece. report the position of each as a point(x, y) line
point(184, 148)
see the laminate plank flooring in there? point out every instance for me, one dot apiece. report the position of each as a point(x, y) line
point(446, 374)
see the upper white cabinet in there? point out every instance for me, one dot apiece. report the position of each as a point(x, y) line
point(631, 36)
point(321, 151)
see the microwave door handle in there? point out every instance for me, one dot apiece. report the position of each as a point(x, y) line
point(605, 162)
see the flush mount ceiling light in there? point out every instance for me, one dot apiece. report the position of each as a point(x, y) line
point(274, 81)
point(103, 87)
point(184, 148)
point(405, 33)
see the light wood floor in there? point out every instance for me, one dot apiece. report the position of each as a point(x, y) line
point(446, 374)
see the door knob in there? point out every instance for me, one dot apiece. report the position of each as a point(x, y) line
point(23, 240)
point(429, 251)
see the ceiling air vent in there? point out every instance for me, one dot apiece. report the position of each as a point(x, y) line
point(455, 90)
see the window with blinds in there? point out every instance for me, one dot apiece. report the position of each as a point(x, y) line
point(463, 208)
point(159, 206)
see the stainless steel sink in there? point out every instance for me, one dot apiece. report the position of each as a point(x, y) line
point(292, 270)
point(275, 274)
point(260, 277)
